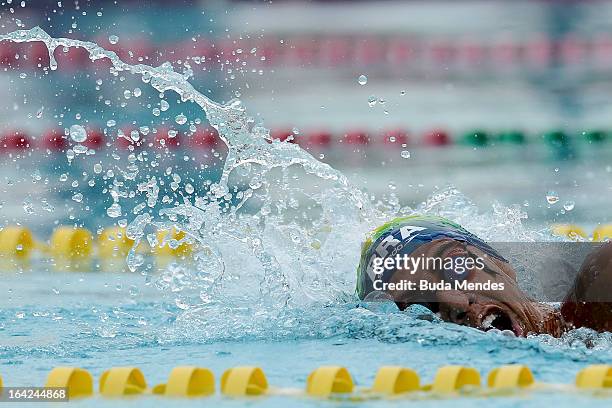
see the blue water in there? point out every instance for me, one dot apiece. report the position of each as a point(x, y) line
point(100, 320)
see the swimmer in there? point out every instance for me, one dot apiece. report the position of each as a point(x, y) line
point(436, 263)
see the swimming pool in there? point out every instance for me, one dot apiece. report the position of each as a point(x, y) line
point(272, 283)
point(97, 320)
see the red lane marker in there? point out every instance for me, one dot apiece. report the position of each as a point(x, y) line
point(395, 137)
point(573, 50)
point(7, 54)
point(436, 138)
point(369, 51)
point(37, 55)
point(505, 52)
point(95, 139)
point(124, 142)
point(539, 51)
point(319, 139)
point(356, 137)
point(163, 139)
point(400, 51)
point(441, 52)
point(301, 51)
point(15, 140)
point(602, 50)
point(55, 140)
point(206, 138)
point(334, 52)
point(283, 135)
point(471, 53)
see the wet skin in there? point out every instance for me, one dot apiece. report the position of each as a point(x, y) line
point(508, 309)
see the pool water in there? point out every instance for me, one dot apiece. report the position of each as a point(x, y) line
point(273, 278)
point(98, 320)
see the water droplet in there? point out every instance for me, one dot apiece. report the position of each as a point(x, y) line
point(97, 168)
point(78, 197)
point(78, 133)
point(405, 154)
point(133, 290)
point(362, 80)
point(110, 123)
point(569, 205)
point(113, 39)
point(80, 149)
point(372, 101)
point(137, 92)
point(114, 210)
point(552, 197)
point(181, 119)
point(164, 105)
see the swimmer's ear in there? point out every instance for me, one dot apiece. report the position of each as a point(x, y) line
point(589, 300)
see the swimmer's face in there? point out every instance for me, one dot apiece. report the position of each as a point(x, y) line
point(466, 303)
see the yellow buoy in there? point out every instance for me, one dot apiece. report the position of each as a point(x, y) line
point(328, 380)
point(71, 242)
point(187, 382)
point(113, 242)
point(568, 230)
point(122, 381)
point(510, 376)
point(244, 381)
point(16, 242)
point(394, 380)
point(78, 381)
point(595, 376)
point(602, 233)
point(171, 243)
point(453, 378)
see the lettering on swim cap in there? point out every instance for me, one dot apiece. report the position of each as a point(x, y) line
point(391, 245)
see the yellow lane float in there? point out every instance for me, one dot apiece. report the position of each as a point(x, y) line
point(71, 243)
point(244, 381)
point(328, 380)
point(602, 233)
point(122, 381)
point(393, 380)
point(595, 376)
point(78, 382)
point(16, 242)
point(172, 244)
point(568, 230)
point(113, 242)
point(510, 376)
point(453, 378)
point(187, 381)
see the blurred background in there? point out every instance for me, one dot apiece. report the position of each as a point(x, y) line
point(507, 101)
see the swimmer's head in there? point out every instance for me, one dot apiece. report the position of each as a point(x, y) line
point(435, 262)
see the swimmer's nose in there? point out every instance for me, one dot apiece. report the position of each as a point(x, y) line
point(458, 316)
point(455, 305)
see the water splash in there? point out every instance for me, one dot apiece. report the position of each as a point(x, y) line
point(271, 255)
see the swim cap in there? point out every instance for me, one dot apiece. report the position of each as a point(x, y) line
point(402, 236)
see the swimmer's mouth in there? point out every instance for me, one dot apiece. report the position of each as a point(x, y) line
point(495, 317)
